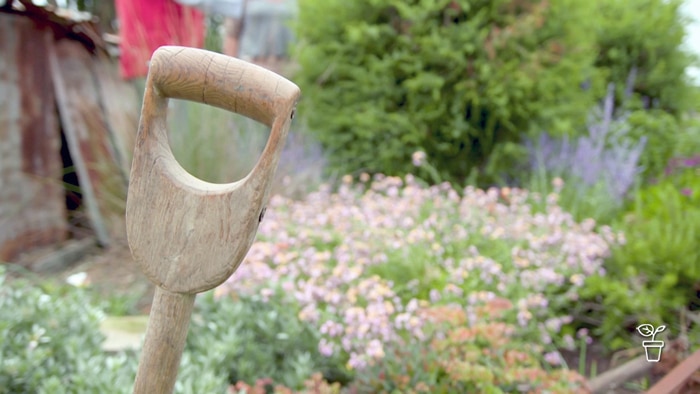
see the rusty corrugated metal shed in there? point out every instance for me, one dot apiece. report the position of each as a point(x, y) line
point(56, 77)
point(32, 208)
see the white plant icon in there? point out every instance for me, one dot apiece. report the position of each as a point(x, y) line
point(647, 330)
point(652, 348)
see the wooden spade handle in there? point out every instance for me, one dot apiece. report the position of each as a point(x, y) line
point(221, 81)
point(166, 335)
point(188, 235)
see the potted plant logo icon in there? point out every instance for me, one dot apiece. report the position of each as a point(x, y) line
point(652, 348)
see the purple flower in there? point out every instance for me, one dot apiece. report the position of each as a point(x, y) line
point(606, 155)
point(583, 334)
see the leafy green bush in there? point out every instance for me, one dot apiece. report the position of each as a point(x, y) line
point(656, 274)
point(642, 44)
point(660, 130)
point(385, 78)
point(259, 336)
point(462, 80)
point(687, 141)
point(51, 344)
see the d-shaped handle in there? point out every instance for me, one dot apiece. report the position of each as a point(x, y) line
point(188, 235)
point(222, 81)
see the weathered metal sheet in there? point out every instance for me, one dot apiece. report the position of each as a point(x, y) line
point(121, 106)
point(32, 204)
point(82, 115)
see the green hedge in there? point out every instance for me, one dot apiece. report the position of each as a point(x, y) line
point(646, 36)
point(462, 80)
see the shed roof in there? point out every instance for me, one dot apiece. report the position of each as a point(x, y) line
point(65, 23)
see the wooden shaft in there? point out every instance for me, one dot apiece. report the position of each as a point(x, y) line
point(165, 340)
point(187, 235)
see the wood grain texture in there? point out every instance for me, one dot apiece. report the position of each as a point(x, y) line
point(87, 133)
point(166, 335)
point(187, 235)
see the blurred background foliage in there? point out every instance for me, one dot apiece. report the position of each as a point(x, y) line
point(589, 101)
point(466, 81)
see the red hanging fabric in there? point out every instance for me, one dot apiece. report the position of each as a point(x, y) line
point(145, 25)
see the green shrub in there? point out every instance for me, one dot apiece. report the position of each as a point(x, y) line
point(51, 344)
point(642, 41)
point(656, 274)
point(640, 50)
point(256, 337)
point(660, 129)
point(687, 141)
point(384, 78)
point(462, 80)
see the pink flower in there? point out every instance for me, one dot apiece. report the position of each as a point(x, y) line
point(266, 293)
point(331, 328)
point(553, 358)
point(434, 296)
point(375, 349)
point(583, 334)
point(558, 184)
point(418, 158)
point(325, 348)
point(356, 362)
point(524, 317)
point(569, 342)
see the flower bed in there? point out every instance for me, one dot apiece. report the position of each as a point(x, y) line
point(366, 263)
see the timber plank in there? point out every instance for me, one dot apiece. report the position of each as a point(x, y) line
point(85, 126)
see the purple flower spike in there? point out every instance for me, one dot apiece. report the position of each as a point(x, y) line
point(692, 161)
point(605, 155)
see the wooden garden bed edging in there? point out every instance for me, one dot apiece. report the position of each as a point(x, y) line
point(617, 376)
point(678, 375)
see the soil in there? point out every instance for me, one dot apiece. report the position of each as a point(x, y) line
point(114, 273)
point(111, 272)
